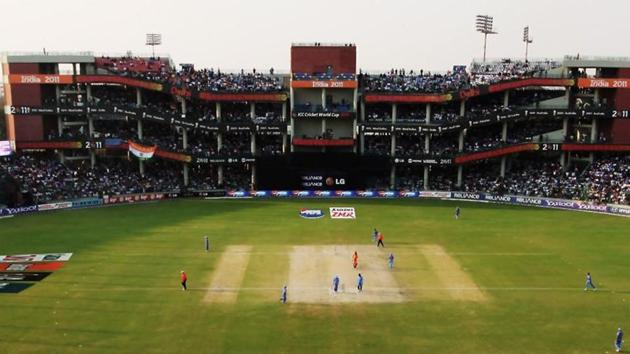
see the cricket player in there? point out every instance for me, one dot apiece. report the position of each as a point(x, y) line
point(458, 212)
point(589, 283)
point(283, 295)
point(374, 235)
point(390, 261)
point(206, 243)
point(380, 240)
point(335, 283)
point(355, 260)
point(619, 340)
point(184, 279)
point(360, 283)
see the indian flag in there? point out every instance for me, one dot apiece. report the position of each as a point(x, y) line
point(140, 151)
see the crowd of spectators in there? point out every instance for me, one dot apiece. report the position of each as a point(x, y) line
point(159, 70)
point(486, 73)
point(402, 81)
point(45, 179)
point(603, 181)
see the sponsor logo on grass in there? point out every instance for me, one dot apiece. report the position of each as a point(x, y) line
point(30, 267)
point(342, 213)
point(311, 213)
point(15, 276)
point(13, 288)
point(45, 257)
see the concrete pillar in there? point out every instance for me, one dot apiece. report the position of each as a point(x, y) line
point(253, 143)
point(362, 111)
point(428, 113)
point(220, 178)
point(185, 173)
point(394, 112)
point(506, 98)
point(219, 141)
point(292, 125)
point(324, 98)
point(92, 158)
point(253, 178)
point(218, 111)
point(184, 139)
point(503, 163)
point(427, 143)
point(565, 127)
point(425, 179)
point(563, 157)
point(460, 143)
point(362, 143)
point(460, 175)
point(284, 143)
point(594, 131)
point(139, 129)
point(138, 97)
point(141, 167)
point(393, 146)
point(183, 106)
point(284, 111)
point(504, 129)
point(252, 110)
point(355, 98)
point(462, 108)
point(392, 177)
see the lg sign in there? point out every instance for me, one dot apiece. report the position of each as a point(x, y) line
point(331, 181)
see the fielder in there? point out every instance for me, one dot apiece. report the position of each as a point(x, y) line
point(458, 212)
point(355, 260)
point(335, 284)
point(374, 235)
point(619, 340)
point(360, 283)
point(283, 295)
point(589, 283)
point(390, 261)
point(184, 279)
point(380, 240)
point(206, 243)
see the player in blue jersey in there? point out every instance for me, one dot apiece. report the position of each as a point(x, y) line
point(589, 283)
point(619, 340)
point(390, 261)
point(335, 284)
point(360, 282)
point(283, 295)
point(458, 212)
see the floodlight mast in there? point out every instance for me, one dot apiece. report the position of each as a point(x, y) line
point(483, 24)
point(527, 40)
point(153, 39)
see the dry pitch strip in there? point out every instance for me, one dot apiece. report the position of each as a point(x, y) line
point(421, 272)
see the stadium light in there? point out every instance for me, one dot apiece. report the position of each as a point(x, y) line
point(527, 40)
point(154, 39)
point(483, 23)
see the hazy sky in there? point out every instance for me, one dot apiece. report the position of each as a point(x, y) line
point(235, 34)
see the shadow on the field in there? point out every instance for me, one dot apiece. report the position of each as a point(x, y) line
point(79, 230)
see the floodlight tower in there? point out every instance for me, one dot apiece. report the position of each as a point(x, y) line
point(154, 39)
point(483, 24)
point(527, 40)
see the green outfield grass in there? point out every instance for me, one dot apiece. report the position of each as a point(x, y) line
point(120, 291)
